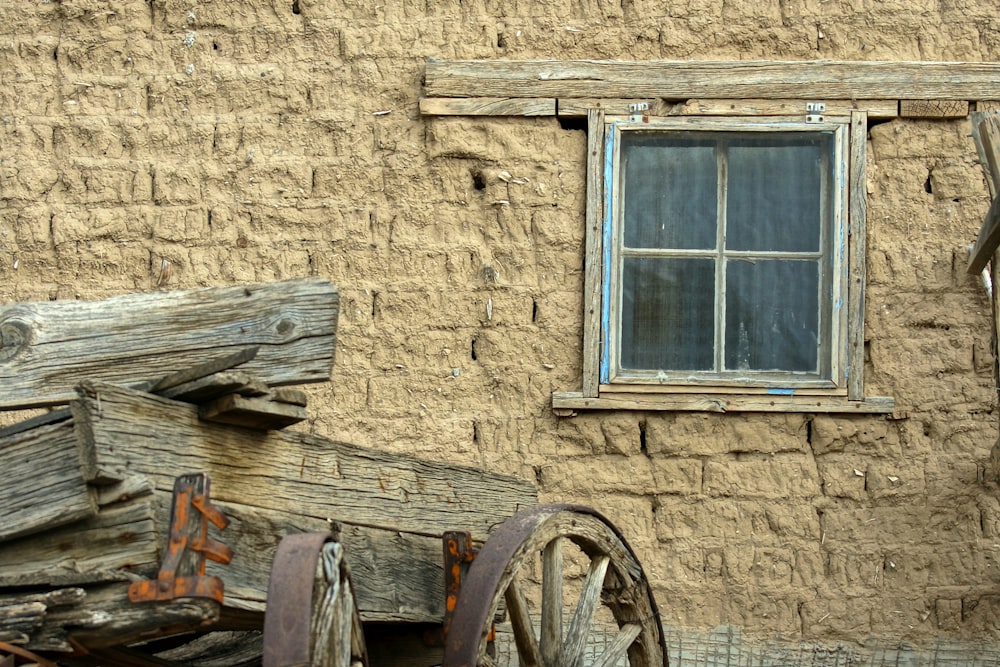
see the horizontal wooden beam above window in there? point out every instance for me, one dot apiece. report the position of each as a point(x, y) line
point(683, 80)
point(579, 107)
point(564, 402)
point(487, 106)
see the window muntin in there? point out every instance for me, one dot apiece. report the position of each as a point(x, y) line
point(724, 253)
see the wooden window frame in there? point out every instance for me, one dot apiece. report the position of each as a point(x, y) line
point(848, 393)
point(832, 357)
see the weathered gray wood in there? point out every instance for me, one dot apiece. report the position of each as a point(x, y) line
point(857, 276)
point(722, 403)
point(788, 107)
point(47, 348)
point(52, 417)
point(43, 485)
point(216, 364)
point(257, 413)
point(21, 614)
point(986, 134)
point(487, 106)
point(581, 107)
point(681, 80)
point(933, 108)
point(119, 543)
point(105, 617)
point(136, 433)
point(215, 386)
point(397, 576)
point(594, 260)
point(290, 395)
point(988, 240)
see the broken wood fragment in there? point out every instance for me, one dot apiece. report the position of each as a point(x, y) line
point(103, 616)
point(256, 413)
point(214, 386)
point(214, 365)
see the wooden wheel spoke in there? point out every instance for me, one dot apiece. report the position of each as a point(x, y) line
point(552, 602)
point(540, 642)
point(524, 632)
point(579, 627)
point(618, 648)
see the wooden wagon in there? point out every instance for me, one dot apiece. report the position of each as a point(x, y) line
point(159, 513)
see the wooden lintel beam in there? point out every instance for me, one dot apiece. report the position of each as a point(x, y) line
point(487, 106)
point(682, 80)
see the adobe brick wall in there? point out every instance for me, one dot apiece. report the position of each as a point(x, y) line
point(167, 144)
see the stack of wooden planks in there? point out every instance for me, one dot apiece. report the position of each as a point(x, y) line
point(148, 388)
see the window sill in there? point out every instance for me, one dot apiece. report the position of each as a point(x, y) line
point(565, 404)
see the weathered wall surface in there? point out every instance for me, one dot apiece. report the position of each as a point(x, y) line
point(167, 144)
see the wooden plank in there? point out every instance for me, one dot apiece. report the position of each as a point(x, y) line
point(683, 80)
point(857, 193)
point(397, 575)
point(53, 417)
point(580, 107)
point(47, 348)
point(117, 544)
point(933, 108)
point(988, 105)
point(257, 413)
point(22, 613)
point(487, 106)
point(136, 433)
point(986, 135)
point(787, 107)
point(594, 262)
point(215, 386)
point(722, 403)
point(988, 240)
point(43, 483)
point(105, 617)
point(216, 364)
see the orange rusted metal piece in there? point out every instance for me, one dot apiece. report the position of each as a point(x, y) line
point(458, 553)
point(182, 572)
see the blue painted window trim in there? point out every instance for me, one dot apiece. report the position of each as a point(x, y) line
point(609, 153)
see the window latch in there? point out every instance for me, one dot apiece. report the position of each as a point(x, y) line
point(814, 112)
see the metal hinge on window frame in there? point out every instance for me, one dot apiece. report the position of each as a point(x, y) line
point(814, 112)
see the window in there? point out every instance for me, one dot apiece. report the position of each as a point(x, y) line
point(725, 263)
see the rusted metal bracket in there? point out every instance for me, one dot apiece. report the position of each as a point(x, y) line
point(459, 552)
point(182, 572)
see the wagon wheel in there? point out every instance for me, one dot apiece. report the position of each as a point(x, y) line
point(311, 618)
point(614, 587)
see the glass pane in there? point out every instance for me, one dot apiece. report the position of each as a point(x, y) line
point(773, 200)
point(772, 315)
point(668, 312)
point(670, 191)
